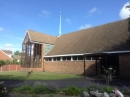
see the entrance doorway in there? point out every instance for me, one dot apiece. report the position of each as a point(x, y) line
point(112, 61)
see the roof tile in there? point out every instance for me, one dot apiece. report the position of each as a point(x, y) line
point(41, 37)
point(108, 37)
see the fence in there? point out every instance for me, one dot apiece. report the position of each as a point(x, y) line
point(10, 67)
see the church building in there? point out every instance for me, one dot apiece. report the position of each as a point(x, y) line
point(85, 51)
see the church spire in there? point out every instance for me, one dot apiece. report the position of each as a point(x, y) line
point(60, 26)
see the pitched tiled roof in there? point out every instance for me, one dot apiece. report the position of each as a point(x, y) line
point(4, 56)
point(108, 37)
point(41, 37)
point(8, 52)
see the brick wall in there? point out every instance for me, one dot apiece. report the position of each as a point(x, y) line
point(124, 66)
point(12, 67)
point(29, 69)
point(72, 67)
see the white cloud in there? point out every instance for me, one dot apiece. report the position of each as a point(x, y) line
point(8, 47)
point(68, 20)
point(93, 10)
point(1, 29)
point(11, 47)
point(124, 12)
point(45, 14)
point(85, 26)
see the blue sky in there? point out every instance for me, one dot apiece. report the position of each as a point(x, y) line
point(17, 16)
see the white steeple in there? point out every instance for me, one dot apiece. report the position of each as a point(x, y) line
point(60, 26)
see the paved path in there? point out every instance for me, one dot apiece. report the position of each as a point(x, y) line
point(71, 82)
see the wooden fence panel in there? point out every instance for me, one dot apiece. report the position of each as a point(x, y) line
point(12, 67)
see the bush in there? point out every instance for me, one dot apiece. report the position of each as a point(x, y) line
point(84, 89)
point(48, 88)
point(72, 91)
point(40, 89)
point(3, 90)
point(52, 87)
point(126, 90)
point(15, 61)
point(106, 89)
point(2, 62)
point(93, 86)
point(25, 89)
point(7, 62)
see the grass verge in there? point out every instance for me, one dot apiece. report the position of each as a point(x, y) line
point(19, 75)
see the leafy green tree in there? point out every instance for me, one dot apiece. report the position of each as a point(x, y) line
point(7, 62)
point(17, 53)
point(128, 40)
point(2, 62)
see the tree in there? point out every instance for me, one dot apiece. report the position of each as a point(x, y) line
point(2, 62)
point(128, 6)
point(17, 53)
point(128, 40)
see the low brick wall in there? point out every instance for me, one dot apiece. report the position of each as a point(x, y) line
point(71, 67)
point(124, 66)
point(29, 69)
point(10, 67)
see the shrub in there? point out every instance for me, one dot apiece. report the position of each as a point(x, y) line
point(2, 62)
point(52, 87)
point(106, 89)
point(25, 89)
point(84, 89)
point(15, 61)
point(3, 90)
point(93, 86)
point(126, 90)
point(40, 89)
point(7, 62)
point(72, 90)
point(48, 88)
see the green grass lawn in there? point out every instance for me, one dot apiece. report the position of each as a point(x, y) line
point(19, 75)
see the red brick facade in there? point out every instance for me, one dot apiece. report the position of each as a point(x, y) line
point(77, 67)
point(29, 69)
point(3, 56)
point(71, 67)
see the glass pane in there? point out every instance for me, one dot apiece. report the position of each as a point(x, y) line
point(93, 58)
point(64, 58)
point(80, 57)
point(58, 58)
point(88, 58)
point(74, 57)
point(48, 48)
point(69, 58)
